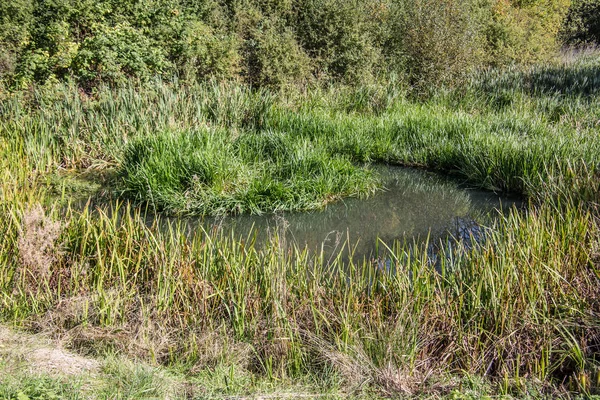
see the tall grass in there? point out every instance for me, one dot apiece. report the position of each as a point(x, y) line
point(519, 309)
point(208, 172)
point(266, 151)
point(524, 303)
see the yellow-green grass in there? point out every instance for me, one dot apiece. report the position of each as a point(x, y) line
point(239, 150)
point(519, 311)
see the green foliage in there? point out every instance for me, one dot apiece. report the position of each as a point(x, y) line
point(273, 43)
point(38, 388)
point(582, 24)
point(114, 54)
point(206, 172)
point(339, 36)
point(15, 20)
point(499, 131)
point(437, 41)
point(52, 61)
point(271, 55)
point(525, 31)
point(205, 53)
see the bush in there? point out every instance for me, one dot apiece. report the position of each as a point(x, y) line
point(206, 53)
point(524, 31)
point(270, 52)
point(15, 18)
point(275, 43)
point(52, 61)
point(340, 36)
point(436, 41)
point(582, 24)
point(113, 54)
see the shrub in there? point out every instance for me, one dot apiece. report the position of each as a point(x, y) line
point(522, 31)
point(204, 52)
point(115, 53)
point(274, 43)
point(436, 41)
point(270, 51)
point(15, 17)
point(340, 36)
point(582, 24)
point(53, 61)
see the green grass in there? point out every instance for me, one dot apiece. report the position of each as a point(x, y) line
point(208, 172)
point(223, 148)
point(517, 315)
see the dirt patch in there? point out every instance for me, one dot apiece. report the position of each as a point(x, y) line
point(59, 361)
point(37, 354)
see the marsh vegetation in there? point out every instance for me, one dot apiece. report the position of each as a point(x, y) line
point(101, 158)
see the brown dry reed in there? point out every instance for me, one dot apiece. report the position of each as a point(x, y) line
point(37, 247)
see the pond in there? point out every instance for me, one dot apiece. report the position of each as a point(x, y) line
point(414, 205)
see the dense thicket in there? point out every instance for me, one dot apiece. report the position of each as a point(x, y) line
point(270, 42)
point(582, 25)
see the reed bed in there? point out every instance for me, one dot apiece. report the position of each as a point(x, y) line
point(520, 310)
point(239, 150)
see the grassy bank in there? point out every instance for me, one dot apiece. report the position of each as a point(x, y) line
point(516, 315)
point(222, 148)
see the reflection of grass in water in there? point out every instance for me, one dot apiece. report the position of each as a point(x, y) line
point(410, 194)
point(75, 186)
point(424, 185)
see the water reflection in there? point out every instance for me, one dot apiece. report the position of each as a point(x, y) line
point(414, 205)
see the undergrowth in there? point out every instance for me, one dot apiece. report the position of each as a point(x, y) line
point(519, 311)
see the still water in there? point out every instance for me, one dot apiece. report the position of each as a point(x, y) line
point(415, 204)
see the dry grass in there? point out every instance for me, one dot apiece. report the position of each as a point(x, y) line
point(36, 367)
point(521, 308)
point(38, 354)
point(37, 246)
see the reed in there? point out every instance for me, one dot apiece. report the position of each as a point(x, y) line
point(519, 310)
point(267, 151)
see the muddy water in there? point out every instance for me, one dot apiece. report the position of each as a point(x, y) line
point(414, 205)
